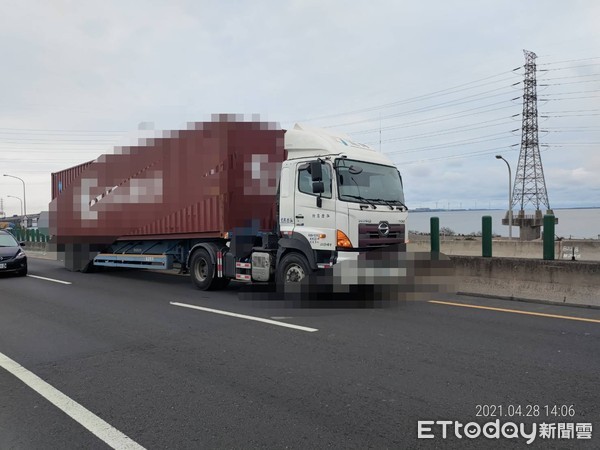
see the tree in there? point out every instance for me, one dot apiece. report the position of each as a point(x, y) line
point(446, 231)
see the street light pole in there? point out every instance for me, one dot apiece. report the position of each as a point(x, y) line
point(24, 197)
point(18, 198)
point(509, 196)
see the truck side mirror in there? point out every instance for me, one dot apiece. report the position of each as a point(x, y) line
point(316, 172)
point(318, 187)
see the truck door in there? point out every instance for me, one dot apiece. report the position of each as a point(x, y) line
point(315, 223)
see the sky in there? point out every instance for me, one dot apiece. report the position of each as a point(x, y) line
point(436, 85)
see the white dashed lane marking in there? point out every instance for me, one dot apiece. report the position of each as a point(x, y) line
point(101, 429)
point(49, 279)
point(243, 316)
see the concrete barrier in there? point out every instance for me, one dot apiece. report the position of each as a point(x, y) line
point(572, 282)
point(35, 246)
point(522, 277)
point(582, 250)
point(39, 250)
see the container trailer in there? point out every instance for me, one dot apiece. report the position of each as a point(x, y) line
point(232, 200)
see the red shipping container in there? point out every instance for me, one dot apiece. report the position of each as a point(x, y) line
point(199, 182)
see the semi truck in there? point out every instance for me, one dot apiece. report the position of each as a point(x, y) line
point(230, 199)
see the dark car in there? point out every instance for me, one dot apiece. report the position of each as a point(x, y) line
point(12, 256)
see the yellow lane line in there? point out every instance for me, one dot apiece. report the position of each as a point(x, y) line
point(515, 311)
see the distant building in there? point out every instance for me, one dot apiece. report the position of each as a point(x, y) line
point(43, 222)
point(32, 221)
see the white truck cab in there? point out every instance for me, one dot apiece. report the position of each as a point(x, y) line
point(355, 203)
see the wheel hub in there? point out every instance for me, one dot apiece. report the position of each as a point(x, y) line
point(201, 270)
point(294, 274)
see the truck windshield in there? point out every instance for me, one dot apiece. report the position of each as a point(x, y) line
point(363, 182)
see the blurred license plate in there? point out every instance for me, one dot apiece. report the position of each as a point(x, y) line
point(2, 265)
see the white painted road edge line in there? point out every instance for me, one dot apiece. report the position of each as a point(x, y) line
point(83, 416)
point(49, 279)
point(243, 316)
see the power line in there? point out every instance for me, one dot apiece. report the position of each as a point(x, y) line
point(545, 116)
point(439, 132)
point(57, 163)
point(570, 93)
point(570, 98)
point(63, 141)
point(454, 144)
point(573, 110)
point(451, 116)
point(569, 67)
point(570, 77)
point(554, 144)
point(555, 81)
point(569, 82)
point(574, 128)
point(56, 151)
point(569, 131)
point(447, 131)
point(568, 60)
point(47, 130)
point(487, 151)
point(390, 116)
point(455, 102)
point(430, 95)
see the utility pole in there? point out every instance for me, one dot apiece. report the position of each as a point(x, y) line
point(530, 185)
point(21, 201)
point(24, 197)
point(379, 132)
point(510, 223)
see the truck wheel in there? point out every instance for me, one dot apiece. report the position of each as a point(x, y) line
point(292, 269)
point(202, 270)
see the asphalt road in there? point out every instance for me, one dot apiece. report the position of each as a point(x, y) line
point(168, 376)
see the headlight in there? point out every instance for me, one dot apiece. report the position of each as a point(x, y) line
point(20, 255)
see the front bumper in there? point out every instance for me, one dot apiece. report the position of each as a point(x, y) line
point(387, 266)
point(13, 265)
point(382, 274)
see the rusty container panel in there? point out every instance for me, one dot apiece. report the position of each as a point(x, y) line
point(202, 181)
point(62, 179)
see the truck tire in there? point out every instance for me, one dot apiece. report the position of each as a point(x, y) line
point(293, 267)
point(202, 270)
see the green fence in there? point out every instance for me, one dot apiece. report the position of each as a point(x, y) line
point(29, 235)
point(486, 236)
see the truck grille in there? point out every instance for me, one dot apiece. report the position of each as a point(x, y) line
point(369, 235)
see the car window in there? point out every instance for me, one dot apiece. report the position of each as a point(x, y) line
point(6, 240)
